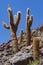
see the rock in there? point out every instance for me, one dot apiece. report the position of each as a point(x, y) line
point(41, 50)
point(4, 58)
point(7, 63)
point(1, 49)
point(1, 63)
point(41, 62)
point(1, 55)
point(20, 58)
point(40, 27)
point(26, 49)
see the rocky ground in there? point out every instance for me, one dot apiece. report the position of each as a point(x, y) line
point(7, 56)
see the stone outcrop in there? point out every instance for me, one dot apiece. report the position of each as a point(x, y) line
point(7, 56)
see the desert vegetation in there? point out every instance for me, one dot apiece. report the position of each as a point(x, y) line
point(15, 53)
point(13, 27)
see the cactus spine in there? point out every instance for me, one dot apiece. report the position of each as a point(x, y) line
point(13, 28)
point(29, 20)
point(35, 45)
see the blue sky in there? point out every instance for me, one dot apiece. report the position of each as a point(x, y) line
point(36, 9)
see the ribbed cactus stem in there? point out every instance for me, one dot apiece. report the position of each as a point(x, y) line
point(29, 20)
point(18, 18)
point(35, 45)
point(21, 36)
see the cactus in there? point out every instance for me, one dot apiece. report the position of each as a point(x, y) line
point(21, 36)
point(35, 48)
point(13, 28)
point(29, 20)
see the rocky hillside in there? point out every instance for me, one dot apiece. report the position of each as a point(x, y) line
point(8, 57)
point(24, 48)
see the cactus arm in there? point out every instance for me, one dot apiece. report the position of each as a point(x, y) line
point(29, 21)
point(18, 18)
point(10, 16)
point(6, 26)
point(28, 11)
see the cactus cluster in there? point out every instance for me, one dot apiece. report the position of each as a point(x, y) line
point(13, 28)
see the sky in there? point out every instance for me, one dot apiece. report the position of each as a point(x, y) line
point(36, 9)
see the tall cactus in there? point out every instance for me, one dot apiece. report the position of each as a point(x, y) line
point(29, 20)
point(21, 36)
point(35, 46)
point(13, 28)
